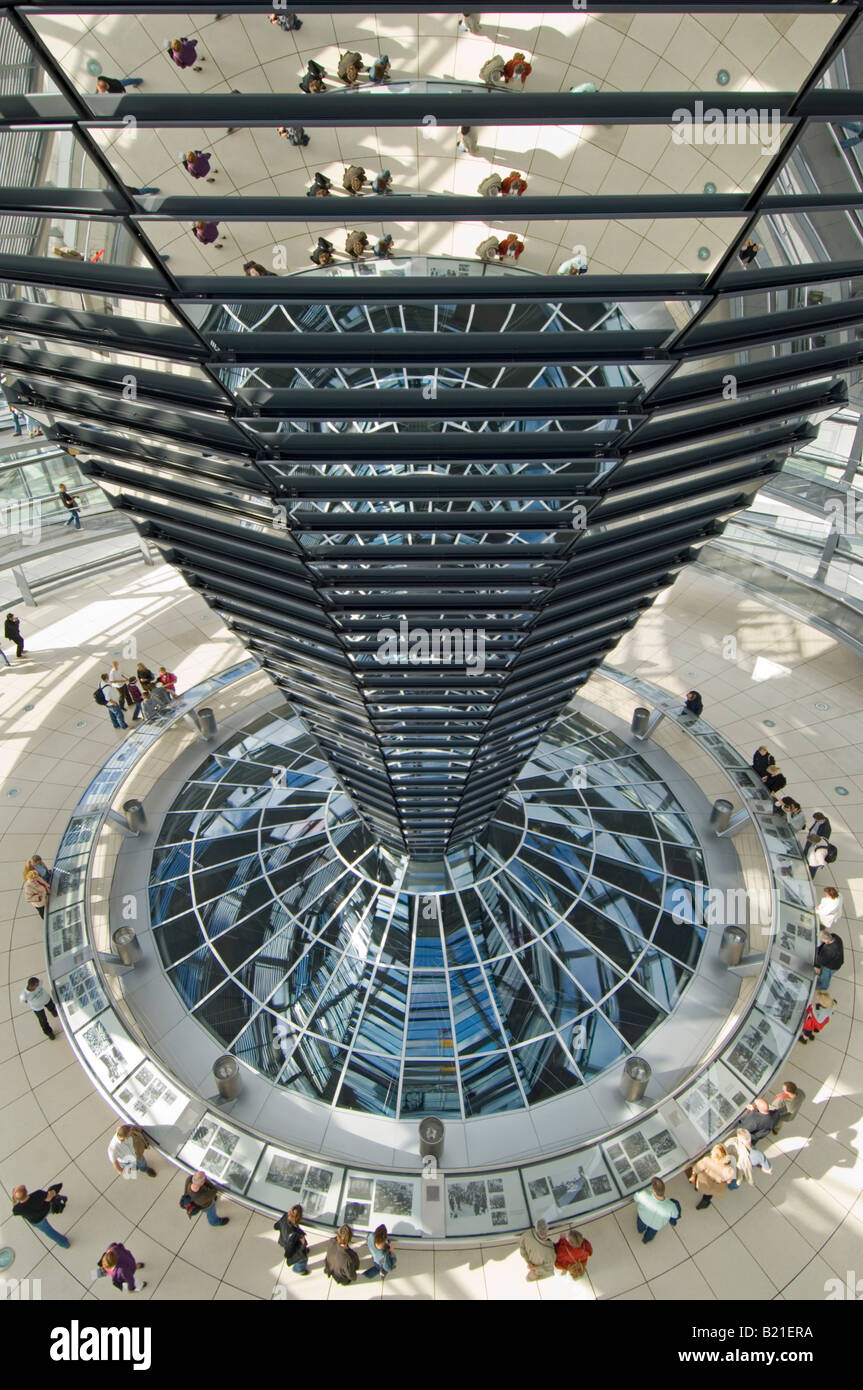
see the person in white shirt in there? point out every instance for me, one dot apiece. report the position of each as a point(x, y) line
point(122, 1152)
point(830, 908)
point(576, 265)
point(816, 855)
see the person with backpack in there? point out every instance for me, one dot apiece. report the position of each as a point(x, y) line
point(199, 1194)
point(354, 179)
point(655, 1211)
point(571, 1253)
point(313, 78)
point(817, 1016)
point(818, 853)
point(829, 957)
point(106, 695)
point(293, 1241)
point(829, 910)
point(537, 1249)
point(341, 1263)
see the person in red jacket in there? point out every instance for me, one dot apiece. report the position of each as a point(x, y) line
point(518, 66)
point(168, 681)
point(513, 185)
point(571, 1254)
point(817, 1016)
point(510, 248)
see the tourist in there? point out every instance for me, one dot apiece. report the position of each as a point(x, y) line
point(829, 909)
point(571, 1253)
point(576, 265)
point(538, 1252)
point(120, 1265)
point(184, 52)
point(313, 79)
point(492, 72)
point(35, 1207)
point(490, 186)
point(354, 179)
point(12, 632)
point(774, 779)
point(126, 1151)
point(73, 507)
point(197, 163)
point(829, 957)
point(356, 244)
point(513, 185)
point(380, 69)
point(469, 23)
point(382, 182)
point(384, 247)
point(820, 827)
point(107, 695)
point(207, 233)
point(293, 1240)
point(746, 255)
point(349, 68)
point(817, 1016)
point(381, 1250)
point(117, 84)
point(199, 1194)
point(466, 140)
point(287, 21)
point(787, 1102)
point(758, 1119)
point(38, 863)
point(518, 66)
point(745, 1157)
point(320, 188)
point(296, 134)
point(36, 892)
point(341, 1263)
point(761, 760)
point(323, 252)
point(693, 704)
point(256, 270)
point(37, 998)
point(711, 1175)
point(488, 249)
point(510, 248)
point(817, 854)
point(655, 1211)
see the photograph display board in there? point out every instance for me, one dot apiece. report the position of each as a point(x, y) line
point(783, 995)
point(226, 1155)
point(80, 995)
point(151, 1098)
point(479, 1202)
point(282, 1179)
point(757, 1050)
point(714, 1101)
point(643, 1153)
point(67, 929)
point(569, 1187)
point(369, 1201)
point(796, 932)
point(110, 1052)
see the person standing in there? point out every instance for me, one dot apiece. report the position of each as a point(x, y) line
point(576, 265)
point(490, 186)
point(382, 182)
point(197, 163)
point(488, 249)
point(761, 760)
point(758, 1120)
point(38, 863)
point(745, 1157)
point(829, 909)
point(380, 70)
point(17, 421)
point(321, 186)
point(118, 681)
point(207, 233)
point(145, 674)
point(816, 855)
point(792, 811)
point(323, 252)
point(469, 23)
point(747, 253)
point(513, 185)
point(693, 704)
point(829, 957)
point(787, 1102)
point(492, 71)
point(126, 1151)
point(37, 998)
point(120, 1265)
point(349, 68)
point(510, 248)
point(820, 829)
point(295, 134)
point(109, 699)
point(184, 52)
point(150, 704)
point(35, 1207)
point(354, 179)
point(518, 66)
point(341, 1263)
point(384, 247)
point(313, 78)
point(711, 1176)
point(167, 681)
point(538, 1252)
point(199, 1194)
point(356, 244)
point(12, 632)
point(817, 1016)
point(117, 85)
point(72, 506)
point(571, 1254)
point(293, 1240)
point(655, 1211)
point(136, 697)
point(466, 141)
point(774, 779)
point(287, 21)
point(381, 1250)
point(36, 892)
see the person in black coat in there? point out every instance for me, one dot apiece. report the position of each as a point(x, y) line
point(759, 1121)
point(341, 1263)
point(829, 957)
point(12, 630)
point(313, 80)
point(323, 252)
point(693, 703)
point(774, 779)
point(292, 1239)
point(761, 760)
point(820, 829)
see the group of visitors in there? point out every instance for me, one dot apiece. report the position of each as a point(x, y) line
point(144, 693)
point(357, 245)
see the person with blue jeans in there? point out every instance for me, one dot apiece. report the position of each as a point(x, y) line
point(293, 1241)
point(382, 1255)
point(112, 704)
point(852, 139)
point(202, 1196)
point(655, 1211)
point(126, 1151)
point(34, 1207)
point(829, 957)
point(72, 506)
point(116, 84)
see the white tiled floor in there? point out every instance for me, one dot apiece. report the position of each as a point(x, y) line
point(784, 1238)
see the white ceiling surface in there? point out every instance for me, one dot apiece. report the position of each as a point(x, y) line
point(639, 52)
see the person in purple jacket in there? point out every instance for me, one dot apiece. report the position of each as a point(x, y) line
point(184, 52)
point(197, 163)
point(207, 232)
point(120, 1264)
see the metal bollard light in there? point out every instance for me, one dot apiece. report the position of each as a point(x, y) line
point(206, 722)
point(720, 815)
point(633, 1082)
point(732, 947)
point(640, 721)
point(431, 1136)
point(125, 943)
point(136, 818)
point(229, 1082)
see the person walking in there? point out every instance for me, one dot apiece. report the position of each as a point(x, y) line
point(199, 1194)
point(513, 185)
point(72, 506)
point(817, 1016)
point(517, 67)
point(774, 779)
point(36, 1207)
point(492, 71)
point(356, 244)
point(490, 186)
point(12, 632)
point(816, 854)
point(381, 1250)
point(745, 1156)
point(761, 760)
point(693, 704)
point(109, 698)
point(382, 182)
point(120, 1265)
point(466, 140)
point(323, 253)
point(184, 53)
point(829, 957)
point(36, 892)
point(341, 1263)
point(321, 186)
point(829, 909)
point(197, 163)
point(349, 68)
point(747, 253)
point(354, 179)
point(287, 21)
point(384, 247)
point(256, 270)
point(207, 233)
point(380, 70)
point(820, 829)
point(571, 1253)
point(37, 998)
point(117, 85)
point(538, 1252)
point(293, 1240)
point(787, 1103)
point(313, 78)
point(655, 1211)
point(711, 1175)
point(18, 421)
point(126, 1151)
point(296, 134)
